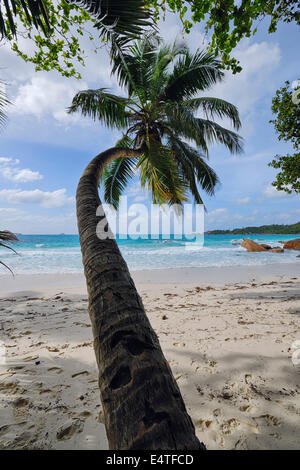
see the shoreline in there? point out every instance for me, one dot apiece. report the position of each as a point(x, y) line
point(75, 282)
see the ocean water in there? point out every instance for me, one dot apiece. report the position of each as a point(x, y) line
point(61, 253)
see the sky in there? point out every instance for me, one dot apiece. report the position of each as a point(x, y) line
point(43, 150)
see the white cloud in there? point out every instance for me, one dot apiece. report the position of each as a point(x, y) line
point(25, 222)
point(255, 81)
point(217, 216)
point(252, 87)
point(24, 176)
point(284, 216)
point(47, 199)
point(171, 29)
point(9, 211)
point(44, 95)
point(271, 192)
point(10, 171)
point(215, 212)
point(243, 201)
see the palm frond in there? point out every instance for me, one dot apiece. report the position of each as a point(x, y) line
point(214, 107)
point(124, 142)
point(4, 102)
point(125, 19)
point(133, 65)
point(6, 235)
point(7, 267)
point(201, 131)
point(34, 10)
point(159, 174)
point(164, 57)
point(182, 122)
point(194, 168)
point(214, 133)
point(116, 178)
point(8, 247)
point(98, 104)
point(191, 74)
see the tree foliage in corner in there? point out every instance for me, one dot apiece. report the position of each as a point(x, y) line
point(230, 21)
point(56, 26)
point(287, 126)
point(62, 23)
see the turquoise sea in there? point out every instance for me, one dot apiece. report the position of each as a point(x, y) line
point(61, 253)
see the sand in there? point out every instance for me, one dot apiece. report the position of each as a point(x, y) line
point(227, 333)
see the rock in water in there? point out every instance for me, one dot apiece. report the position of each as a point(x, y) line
point(292, 244)
point(267, 247)
point(276, 249)
point(250, 245)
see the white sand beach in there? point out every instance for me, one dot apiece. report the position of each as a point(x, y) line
point(227, 333)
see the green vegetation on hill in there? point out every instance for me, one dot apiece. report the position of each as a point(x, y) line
point(276, 229)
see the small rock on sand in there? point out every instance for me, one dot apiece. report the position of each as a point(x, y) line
point(69, 428)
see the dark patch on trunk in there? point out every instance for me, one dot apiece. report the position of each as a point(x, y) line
point(151, 417)
point(119, 335)
point(133, 345)
point(122, 377)
point(137, 347)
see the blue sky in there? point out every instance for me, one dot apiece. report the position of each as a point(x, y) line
point(43, 150)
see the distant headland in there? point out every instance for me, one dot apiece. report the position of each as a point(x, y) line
point(263, 229)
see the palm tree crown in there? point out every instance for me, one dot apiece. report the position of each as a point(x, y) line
point(158, 117)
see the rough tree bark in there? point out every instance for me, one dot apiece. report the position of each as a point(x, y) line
point(142, 404)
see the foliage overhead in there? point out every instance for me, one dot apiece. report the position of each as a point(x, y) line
point(230, 21)
point(57, 26)
point(34, 11)
point(158, 116)
point(286, 107)
point(61, 24)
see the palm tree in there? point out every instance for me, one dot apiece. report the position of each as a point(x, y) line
point(142, 403)
point(125, 18)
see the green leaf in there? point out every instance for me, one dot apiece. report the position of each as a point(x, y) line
point(116, 178)
point(103, 106)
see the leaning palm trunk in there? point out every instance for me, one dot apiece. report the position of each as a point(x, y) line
point(142, 404)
